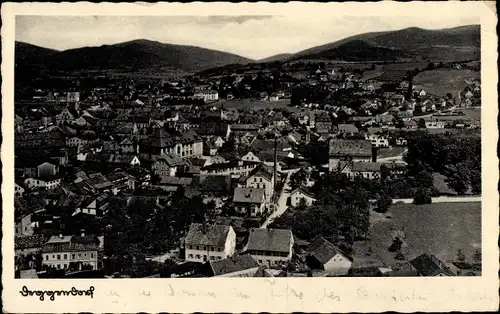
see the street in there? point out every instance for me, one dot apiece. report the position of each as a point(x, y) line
point(281, 206)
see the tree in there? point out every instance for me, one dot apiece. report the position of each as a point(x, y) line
point(421, 123)
point(396, 245)
point(461, 256)
point(477, 257)
point(383, 203)
point(297, 179)
point(422, 196)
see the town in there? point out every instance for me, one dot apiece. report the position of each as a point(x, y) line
point(295, 168)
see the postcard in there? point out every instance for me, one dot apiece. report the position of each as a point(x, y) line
point(249, 157)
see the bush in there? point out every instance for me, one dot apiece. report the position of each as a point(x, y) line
point(383, 203)
point(422, 196)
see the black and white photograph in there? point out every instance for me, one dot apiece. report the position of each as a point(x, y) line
point(247, 146)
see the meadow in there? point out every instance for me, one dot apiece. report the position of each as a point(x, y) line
point(439, 82)
point(254, 104)
point(441, 229)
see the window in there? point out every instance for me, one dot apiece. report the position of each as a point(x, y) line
point(218, 257)
point(198, 256)
point(72, 255)
point(197, 247)
point(46, 257)
point(204, 258)
point(58, 256)
point(91, 255)
point(212, 258)
point(260, 179)
point(204, 248)
point(65, 256)
point(53, 256)
point(219, 249)
point(65, 266)
point(212, 248)
point(79, 255)
point(190, 256)
point(260, 261)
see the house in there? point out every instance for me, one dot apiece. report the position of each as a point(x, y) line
point(410, 124)
point(249, 201)
point(434, 124)
point(234, 267)
point(18, 189)
point(186, 144)
point(348, 129)
point(270, 247)
point(244, 128)
point(465, 268)
point(72, 97)
point(32, 244)
point(401, 141)
point(325, 256)
point(122, 180)
point(299, 194)
point(376, 138)
point(76, 141)
point(43, 182)
point(25, 226)
point(250, 157)
point(262, 177)
point(206, 95)
point(348, 150)
point(126, 146)
point(209, 242)
point(78, 252)
point(167, 165)
point(367, 170)
point(233, 168)
point(47, 169)
point(68, 114)
point(430, 265)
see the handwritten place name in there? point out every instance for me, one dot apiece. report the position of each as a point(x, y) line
point(25, 292)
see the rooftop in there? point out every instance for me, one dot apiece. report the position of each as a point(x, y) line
point(214, 235)
point(361, 148)
point(273, 240)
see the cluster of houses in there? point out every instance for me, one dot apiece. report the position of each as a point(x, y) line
point(74, 151)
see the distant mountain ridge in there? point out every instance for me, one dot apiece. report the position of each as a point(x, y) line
point(459, 43)
point(136, 54)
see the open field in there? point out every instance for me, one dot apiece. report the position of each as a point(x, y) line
point(390, 71)
point(253, 104)
point(441, 229)
point(442, 81)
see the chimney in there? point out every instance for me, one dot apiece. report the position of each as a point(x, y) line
point(374, 154)
point(275, 160)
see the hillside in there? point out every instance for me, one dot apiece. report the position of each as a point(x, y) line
point(460, 43)
point(28, 52)
point(278, 57)
point(137, 54)
point(359, 50)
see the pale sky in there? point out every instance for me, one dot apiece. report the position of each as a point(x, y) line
point(253, 37)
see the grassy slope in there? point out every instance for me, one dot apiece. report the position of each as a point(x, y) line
point(442, 81)
point(441, 229)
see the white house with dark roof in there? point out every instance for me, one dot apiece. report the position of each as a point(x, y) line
point(367, 170)
point(299, 194)
point(327, 257)
point(270, 247)
point(209, 243)
point(167, 165)
point(62, 252)
point(238, 266)
point(261, 177)
point(348, 150)
point(250, 201)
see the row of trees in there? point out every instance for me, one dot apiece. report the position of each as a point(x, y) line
point(458, 157)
